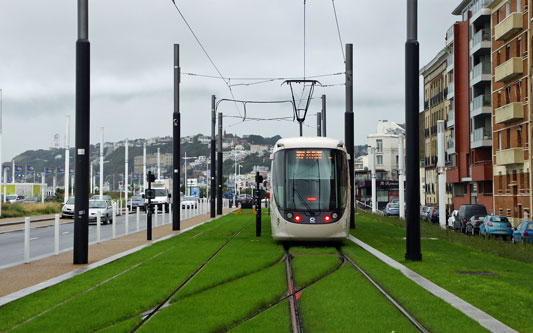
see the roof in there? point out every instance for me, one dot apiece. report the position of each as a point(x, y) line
point(434, 63)
point(309, 142)
point(459, 9)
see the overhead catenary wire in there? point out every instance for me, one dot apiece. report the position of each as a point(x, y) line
point(338, 29)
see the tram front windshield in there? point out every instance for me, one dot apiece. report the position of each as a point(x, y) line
point(310, 179)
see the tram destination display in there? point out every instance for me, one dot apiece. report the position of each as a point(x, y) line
point(309, 154)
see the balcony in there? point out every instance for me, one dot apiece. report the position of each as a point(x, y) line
point(451, 118)
point(510, 156)
point(451, 91)
point(481, 105)
point(509, 70)
point(482, 171)
point(509, 26)
point(481, 42)
point(452, 175)
point(449, 62)
point(509, 113)
point(481, 72)
point(481, 137)
point(450, 146)
point(449, 36)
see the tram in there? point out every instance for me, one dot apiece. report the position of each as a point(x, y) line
point(310, 194)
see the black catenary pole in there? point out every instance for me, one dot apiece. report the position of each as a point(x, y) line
point(324, 134)
point(176, 144)
point(220, 163)
point(149, 178)
point(412, 212)
point(83, 80)
point(258, 180)
point(318, 124)
point(349, 128)
point(213, 157)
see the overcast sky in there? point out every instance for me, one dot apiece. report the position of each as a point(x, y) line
point(132, 64)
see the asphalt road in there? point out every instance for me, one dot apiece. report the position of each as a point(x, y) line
point(42, 238)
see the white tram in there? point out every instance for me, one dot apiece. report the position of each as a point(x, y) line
point(310, 195)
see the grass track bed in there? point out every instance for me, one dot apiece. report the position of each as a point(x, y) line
point(346, 302)
point(307, 269)
point(507, 295)
point(218, 308)
point(244, 255)
point(127, 295)
point(275, 319)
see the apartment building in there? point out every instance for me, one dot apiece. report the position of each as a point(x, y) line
point(436, 108)
point(151, 160)
point(511, 69)
point(469, 125)
point(386, 143)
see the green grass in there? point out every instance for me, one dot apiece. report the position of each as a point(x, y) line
point(507, 295)
point(30, 209)
point(125, 296)
point(243, 255)
point(433, 313)
point(275, 319)
point(307, 269)
point(345, 302)
point(218, 308)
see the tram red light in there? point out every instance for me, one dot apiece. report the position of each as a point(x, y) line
point(327, 218)
point(311, 198)
point(297, 218)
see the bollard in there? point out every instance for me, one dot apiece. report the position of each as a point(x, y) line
point(98, 222)
point(27, 240)
point(127, 224)
point(163, 215)
point(138, 219)
point(56, 235)
point(155, 215)
point(169, 213)
point(114, 223)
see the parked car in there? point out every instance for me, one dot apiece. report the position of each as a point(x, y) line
point(523, 233)
point(496, 225)
point(464, 214)
point(472, 225)
point(189, 202)
point(14, 198)
point(104, 197)
point(136, 201)
point(51, 199)
point(451, 219)
point(32, 199)
point(392, 209)
point(68, 209)
point(245, 200)
point(105, 209)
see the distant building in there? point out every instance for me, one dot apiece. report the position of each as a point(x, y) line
point(151, 160)
point(386, 141)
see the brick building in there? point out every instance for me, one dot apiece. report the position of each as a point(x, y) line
point(511, 69)
point(469, 125)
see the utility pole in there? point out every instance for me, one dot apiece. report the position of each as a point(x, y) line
point(176, 133)
point(144, 167)
point(213, 156)
point(235, 179)
point(349, 127)
point(101, 163)
point(373, 167)
point(442, 173)
point(81, 205)
point(126, 178)
point(91, 186)
point(401, 177)
point(67, 159)
point(319, 124)
point(220, 165)
point(324, 116)
point(412, 54)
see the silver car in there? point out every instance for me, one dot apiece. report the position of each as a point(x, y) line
point(104, 207)
point(68, 209)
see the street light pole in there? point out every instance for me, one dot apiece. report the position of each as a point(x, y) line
point(349, 128)
point(67, 159)
point(220, 165)
point(101, 163)
point(81, 205)
point(412, 213)
point(176, 134)
point(213, 157)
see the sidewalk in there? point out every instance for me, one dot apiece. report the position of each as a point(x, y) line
point(26, 275)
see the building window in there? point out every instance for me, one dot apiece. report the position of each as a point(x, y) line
point(519, 135)
point(508, 52)
point(507, 95)
point(379, 144)
point(508, 212)
point(507, 8)
point(518, 6)
point(519, 47)
point(380, 159)
point(518, 89)
point(500, 140)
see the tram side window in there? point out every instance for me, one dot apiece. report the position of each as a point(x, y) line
point(279, 178)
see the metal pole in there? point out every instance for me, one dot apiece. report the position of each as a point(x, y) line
point(81, 205)
point(42, 185)
point(91, 182)
point(126, 185)
point(318, 124)
point(149, 211)
point(442, 173)
point(373, 168)
point(13, 172)
point(412, 212)
point(176, 117)
point(219, 165)
point(235, 179)
point(324, 116)
point(26, 240)
point(56, 234)
point(144, 167)
point(101, 163)
point(401, 177)
point(67, 159)
point(158, 163)
point(257, 207)
point(185, 175)
point(213, 156)
point(4, 180)
point(349, 127)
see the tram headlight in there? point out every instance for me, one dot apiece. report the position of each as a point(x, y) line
point(327, 218)
point(289, 215)
point(297, 218)
point(334, 216)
